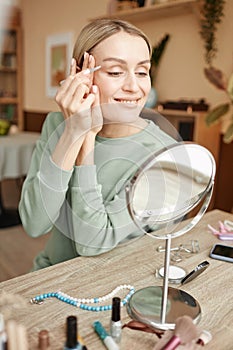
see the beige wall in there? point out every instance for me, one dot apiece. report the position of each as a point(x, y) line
point(181, 70)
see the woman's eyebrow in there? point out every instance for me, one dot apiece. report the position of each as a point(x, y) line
point(119, 60)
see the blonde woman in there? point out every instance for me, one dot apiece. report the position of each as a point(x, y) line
point(89, 150)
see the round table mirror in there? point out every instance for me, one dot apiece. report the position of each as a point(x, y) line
point(166, 198)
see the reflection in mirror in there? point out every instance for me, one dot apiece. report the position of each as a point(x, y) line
point(167, 187)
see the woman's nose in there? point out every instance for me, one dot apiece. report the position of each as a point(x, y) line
point(130, 83)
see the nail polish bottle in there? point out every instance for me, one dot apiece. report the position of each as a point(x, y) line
point(71, 334)
point(43, 340)
point(115, 323)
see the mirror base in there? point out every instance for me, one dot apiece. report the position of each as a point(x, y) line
point(145, 306)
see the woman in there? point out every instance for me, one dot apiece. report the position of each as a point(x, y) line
point(89, 150)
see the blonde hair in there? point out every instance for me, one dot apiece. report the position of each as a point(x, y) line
point(96, 31)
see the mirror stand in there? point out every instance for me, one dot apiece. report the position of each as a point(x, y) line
point(165, 279)
point(159, 306)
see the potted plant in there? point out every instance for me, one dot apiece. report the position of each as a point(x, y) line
point(212, 14)
point(157, 52)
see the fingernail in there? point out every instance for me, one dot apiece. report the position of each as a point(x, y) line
point(86, 71)
point(73, 61)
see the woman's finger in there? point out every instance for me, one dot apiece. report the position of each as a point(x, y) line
point(71, 104)
point(85, 61)
point(73, 67)
point(71, 83)
point(80, 93)
point(96, 112)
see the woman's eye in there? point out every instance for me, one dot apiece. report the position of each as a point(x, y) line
point(115, 74)
point(142, 74)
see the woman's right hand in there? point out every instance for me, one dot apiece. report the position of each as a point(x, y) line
point(76, 96)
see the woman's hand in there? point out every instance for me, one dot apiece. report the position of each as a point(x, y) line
point(78, 99)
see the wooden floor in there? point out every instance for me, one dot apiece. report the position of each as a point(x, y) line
point(17, 249)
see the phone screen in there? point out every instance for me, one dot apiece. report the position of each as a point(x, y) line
point(222, 252)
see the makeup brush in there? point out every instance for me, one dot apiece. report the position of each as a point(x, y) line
point(185, 331)
point(16, 336)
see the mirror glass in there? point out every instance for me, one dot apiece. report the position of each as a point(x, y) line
point(167, 186)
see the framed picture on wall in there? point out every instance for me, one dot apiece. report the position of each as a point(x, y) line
point(58, 58)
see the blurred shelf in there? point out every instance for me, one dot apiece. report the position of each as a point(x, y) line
point(166, 9)
point(11, 66)
point(8, 70)
point(8, 100)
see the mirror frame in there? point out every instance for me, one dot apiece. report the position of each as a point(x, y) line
point(130, 190)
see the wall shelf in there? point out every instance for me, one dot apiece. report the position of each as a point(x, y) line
point(170, 8)
point(11, 89)
point(8, 100)
point(7, 70)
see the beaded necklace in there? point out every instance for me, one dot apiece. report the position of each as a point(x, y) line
point(83, 303)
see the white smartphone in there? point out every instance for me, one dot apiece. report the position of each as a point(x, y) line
point(222, 252)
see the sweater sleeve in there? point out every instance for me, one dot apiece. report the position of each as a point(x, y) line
point(97, 226)
point(45, 186)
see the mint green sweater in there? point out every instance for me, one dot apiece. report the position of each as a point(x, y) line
point(84, 209)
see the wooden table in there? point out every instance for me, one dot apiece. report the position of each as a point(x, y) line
point(133, 264)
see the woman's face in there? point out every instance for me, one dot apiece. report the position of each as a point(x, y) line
point(123, 80)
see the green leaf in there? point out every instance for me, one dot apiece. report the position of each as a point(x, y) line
point(216, 77)
point(214, 115)
point(228, 136)
point(230, 87)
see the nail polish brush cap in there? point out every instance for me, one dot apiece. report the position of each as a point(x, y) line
point(116, 309)
point(71, 332)
point(204, 338)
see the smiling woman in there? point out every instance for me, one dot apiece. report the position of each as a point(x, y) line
point(75, 187)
